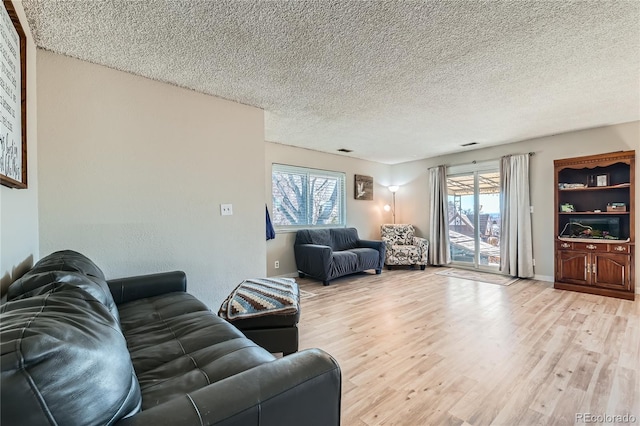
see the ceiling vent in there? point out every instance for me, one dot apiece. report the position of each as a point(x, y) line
point(469, 144)
point(345, 150)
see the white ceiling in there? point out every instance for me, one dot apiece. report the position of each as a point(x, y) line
point(392, 80)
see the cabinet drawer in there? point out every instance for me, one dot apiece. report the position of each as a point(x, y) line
point(600, 248)
point(564, 245)
point(619, 248)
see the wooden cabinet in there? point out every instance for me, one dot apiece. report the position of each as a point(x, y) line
point(594, 224)
point(594, 265)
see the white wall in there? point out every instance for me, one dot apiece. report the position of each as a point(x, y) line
point(19, 207)
point(365, 216)
point(414, 179)
point(133, 172)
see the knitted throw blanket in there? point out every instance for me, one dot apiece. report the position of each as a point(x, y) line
point(261, 296)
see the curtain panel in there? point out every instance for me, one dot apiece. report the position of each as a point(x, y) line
point(516, 246)
point(439, 252)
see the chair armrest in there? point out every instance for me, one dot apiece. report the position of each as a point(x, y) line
point(313, 259)
point(299, 389)
point(423, 244)
point(128, 289)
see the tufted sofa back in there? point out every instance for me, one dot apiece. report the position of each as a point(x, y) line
point(337, 238)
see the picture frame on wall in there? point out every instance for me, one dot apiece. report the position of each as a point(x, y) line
point(13, 100)
point(602, 180)
point(363, 188)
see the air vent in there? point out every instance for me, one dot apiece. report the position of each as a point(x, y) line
point(345, 150)
point(469, 144)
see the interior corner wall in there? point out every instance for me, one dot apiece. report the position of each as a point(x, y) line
point(414, 180)
point(19, 207)
point(364, 215)
point(133, 172)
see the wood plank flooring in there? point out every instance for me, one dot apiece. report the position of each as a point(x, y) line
point(417, 348)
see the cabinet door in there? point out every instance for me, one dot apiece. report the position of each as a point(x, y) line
point(611, 270)
point(572, 267)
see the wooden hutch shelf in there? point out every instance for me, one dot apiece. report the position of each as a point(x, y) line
point(595, 251)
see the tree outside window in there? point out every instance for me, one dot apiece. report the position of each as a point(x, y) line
point(307, 198)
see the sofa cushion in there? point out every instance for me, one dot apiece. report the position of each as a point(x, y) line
point(64, 361)
point(367, 258)
point(178, 346)
point(405, 255)
point(40, 283)
point(343, 263)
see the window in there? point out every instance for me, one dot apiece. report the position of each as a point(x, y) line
point(307, 198)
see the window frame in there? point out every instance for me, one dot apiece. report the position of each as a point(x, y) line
point(308, 171)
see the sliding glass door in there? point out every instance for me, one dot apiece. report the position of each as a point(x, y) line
point(474, 215)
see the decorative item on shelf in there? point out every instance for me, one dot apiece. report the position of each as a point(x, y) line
point(392, 209)
point(602, 180)
point(616, 207)
point(363, 187)
point(571, 185)
point(566, 207)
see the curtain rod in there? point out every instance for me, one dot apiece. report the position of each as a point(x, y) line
point(531, 154)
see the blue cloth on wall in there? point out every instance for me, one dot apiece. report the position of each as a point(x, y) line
point(271, 233)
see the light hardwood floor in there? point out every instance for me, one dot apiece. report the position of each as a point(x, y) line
point(417, 348)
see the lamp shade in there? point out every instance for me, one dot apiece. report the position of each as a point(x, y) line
point(394, 188)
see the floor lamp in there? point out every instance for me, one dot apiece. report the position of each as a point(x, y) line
point(392, 208)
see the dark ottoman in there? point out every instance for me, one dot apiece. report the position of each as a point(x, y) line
point(267, 311)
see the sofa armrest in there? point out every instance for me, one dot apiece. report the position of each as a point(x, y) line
point(300, 389)
point(128, 289)
point(376, 245)
point(313, 259)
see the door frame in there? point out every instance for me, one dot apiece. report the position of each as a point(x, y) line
point(475, 168)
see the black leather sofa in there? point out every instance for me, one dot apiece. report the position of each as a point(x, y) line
point(78, 350)
point(326, 254)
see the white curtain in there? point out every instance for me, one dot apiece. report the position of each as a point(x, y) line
point(516, 247)
point(439, 253)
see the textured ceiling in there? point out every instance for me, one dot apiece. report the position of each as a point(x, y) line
point(392, 80)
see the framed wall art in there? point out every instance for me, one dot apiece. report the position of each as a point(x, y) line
point(363, 187)
point(602, 180)
point(13, 99)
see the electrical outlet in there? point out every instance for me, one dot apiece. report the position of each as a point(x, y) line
point(226, 209)
point(276, 264)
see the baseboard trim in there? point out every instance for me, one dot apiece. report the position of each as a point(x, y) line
point(289, 275)
point(546, 278)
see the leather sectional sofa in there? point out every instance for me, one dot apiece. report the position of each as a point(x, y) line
point(326, 254)
point(77, 349)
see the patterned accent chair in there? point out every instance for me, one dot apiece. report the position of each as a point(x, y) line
point(403, 247)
